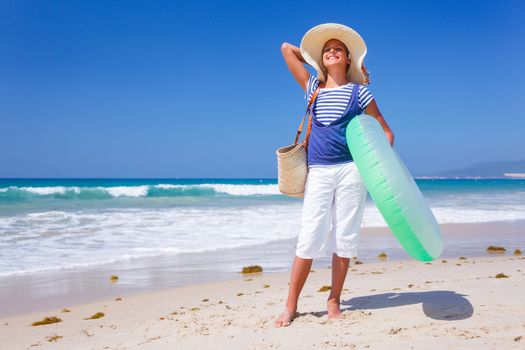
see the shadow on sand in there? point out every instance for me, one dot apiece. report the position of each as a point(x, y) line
point(438, 305)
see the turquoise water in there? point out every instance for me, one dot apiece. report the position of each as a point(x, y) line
point(48, 224)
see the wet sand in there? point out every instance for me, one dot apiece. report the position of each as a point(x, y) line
point(50, 290)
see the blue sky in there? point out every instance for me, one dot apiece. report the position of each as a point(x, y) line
point(199, 88)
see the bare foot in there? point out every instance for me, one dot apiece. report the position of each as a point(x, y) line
point(285, 319)
point(332, 307)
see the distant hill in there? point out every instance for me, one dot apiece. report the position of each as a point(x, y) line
point(500, 169)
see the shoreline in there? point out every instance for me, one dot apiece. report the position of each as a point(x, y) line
point(386, 305)
point(51, 289)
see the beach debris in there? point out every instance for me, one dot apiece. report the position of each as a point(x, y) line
point(496, 249)
point(444, 261)
point(95, 316)
point(462, 258)
point(114, 278)
point(205, 300)
point(162, 318)
point(174, 313)
point(501, 275)
point(312, 271)
point(411, 286)
point(240, 294)
point(518, 338)
point(324, 289)
point(517, 252)
point(66, 310)
point(118, 299)
point(252, 269)
point(358, 262)
point(248, 280)
point(266, 286)
point(87, 333)
point(395, 330)
point(46, 320)
point(54, 338)
point(382, 256)
point(194, 309)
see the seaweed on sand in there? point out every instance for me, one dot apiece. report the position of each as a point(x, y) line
point(95, 316)
point(46, 320)
point(252, 269)
point(496, 249)
point(324, 289)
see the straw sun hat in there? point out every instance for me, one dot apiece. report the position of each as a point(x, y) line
point(314, 40)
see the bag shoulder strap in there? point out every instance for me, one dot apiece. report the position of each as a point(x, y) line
point(300, 128)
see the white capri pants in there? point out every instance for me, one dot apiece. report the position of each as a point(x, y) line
point(333, 208)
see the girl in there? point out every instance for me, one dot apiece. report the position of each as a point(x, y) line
point(335, 194)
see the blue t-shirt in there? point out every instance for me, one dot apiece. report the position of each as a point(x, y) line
point(332, 102)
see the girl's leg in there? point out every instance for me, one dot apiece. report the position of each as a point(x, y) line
point(339, 270)
point(300, 270)
point(316, 222)
point(349, 204)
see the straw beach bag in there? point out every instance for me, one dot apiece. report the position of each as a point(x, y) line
point(292, 167)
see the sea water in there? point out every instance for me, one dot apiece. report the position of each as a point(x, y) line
point(50, 224)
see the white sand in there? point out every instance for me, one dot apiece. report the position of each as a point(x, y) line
point(458, 304)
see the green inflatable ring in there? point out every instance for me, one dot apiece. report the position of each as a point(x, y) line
point(393, 189)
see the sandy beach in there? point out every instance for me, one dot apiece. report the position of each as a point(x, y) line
point(447, 304)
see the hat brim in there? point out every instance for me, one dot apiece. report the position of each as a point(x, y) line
point(314, 40)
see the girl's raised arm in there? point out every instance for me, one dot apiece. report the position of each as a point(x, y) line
point(295, 62)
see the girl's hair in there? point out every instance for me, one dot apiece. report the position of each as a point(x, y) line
point(366, 73)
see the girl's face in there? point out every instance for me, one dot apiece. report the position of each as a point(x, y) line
point(335, 53)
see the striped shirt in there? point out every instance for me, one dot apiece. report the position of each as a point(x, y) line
point(332, 102)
